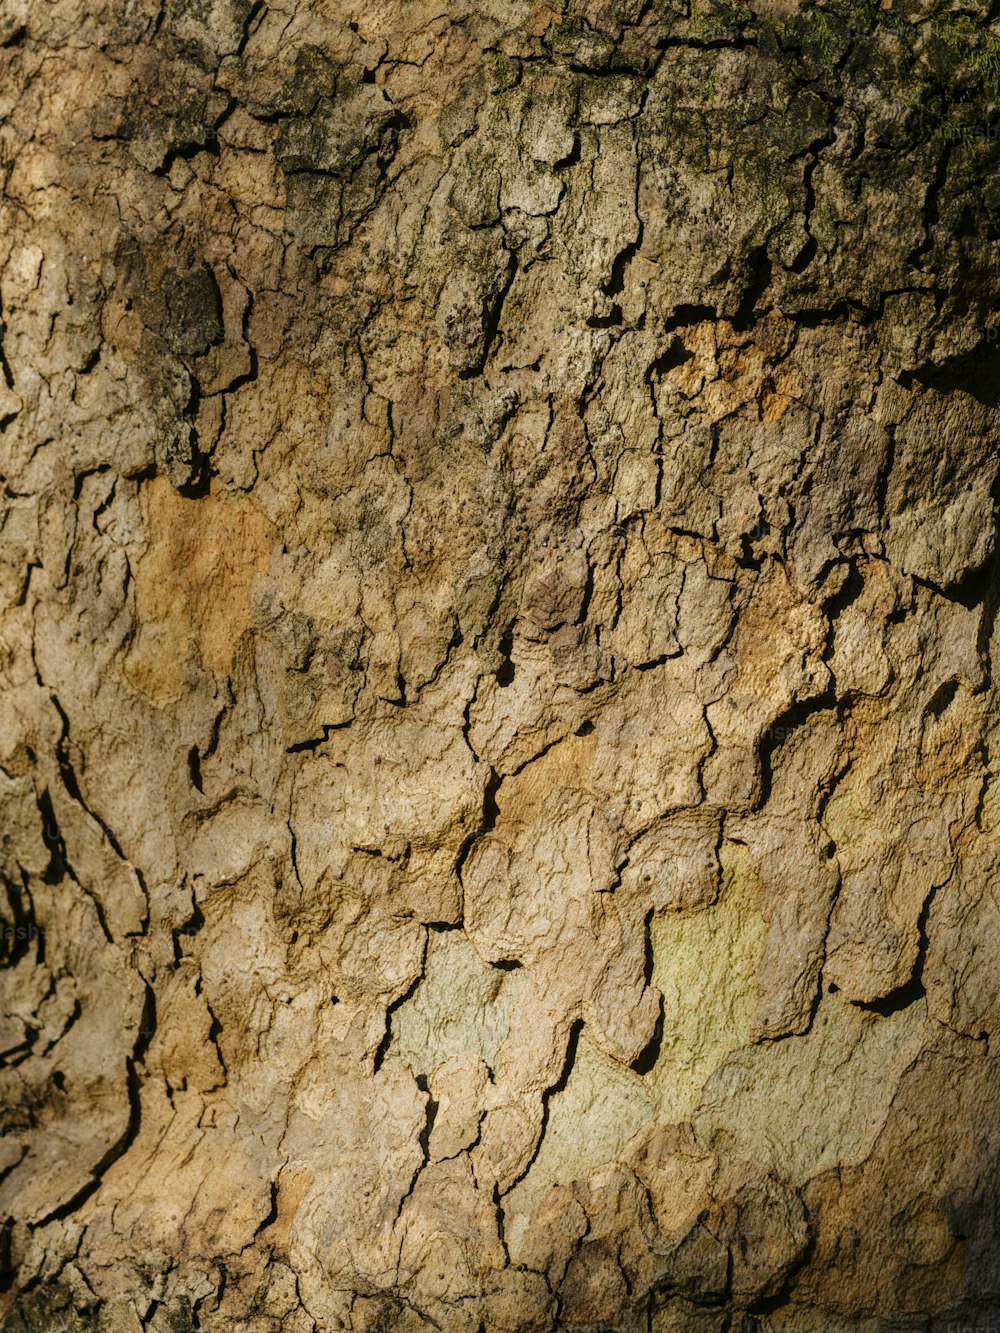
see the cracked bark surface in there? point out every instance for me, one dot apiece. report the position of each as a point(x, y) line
point(499, 578)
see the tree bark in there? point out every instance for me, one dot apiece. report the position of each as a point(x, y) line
point(499, 581)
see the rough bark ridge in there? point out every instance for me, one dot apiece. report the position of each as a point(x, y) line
point(497, 731)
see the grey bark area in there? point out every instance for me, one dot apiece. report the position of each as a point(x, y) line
point(497, 718)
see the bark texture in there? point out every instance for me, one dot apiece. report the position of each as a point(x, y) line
point(497, 724)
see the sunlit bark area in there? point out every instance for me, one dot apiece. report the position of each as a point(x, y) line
point(498, 583)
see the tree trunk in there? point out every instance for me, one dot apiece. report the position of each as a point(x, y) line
point(497, 719)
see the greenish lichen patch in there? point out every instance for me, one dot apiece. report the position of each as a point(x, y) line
point(48, 1309)
point(705, 966)
point(462, 1007)
point(589, 1123)
point(335, 146)
point(315, 76)
point(763, 1103)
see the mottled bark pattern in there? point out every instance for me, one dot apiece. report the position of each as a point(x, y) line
point(497, 724)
